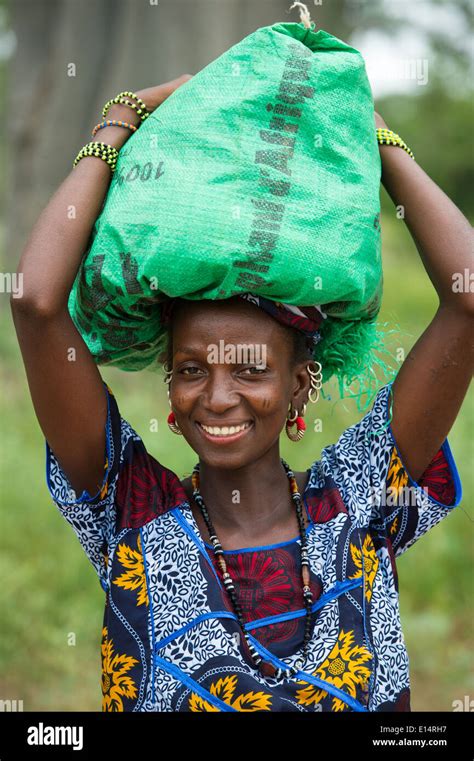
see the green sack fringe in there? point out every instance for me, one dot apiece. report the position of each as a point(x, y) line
point(355, 352)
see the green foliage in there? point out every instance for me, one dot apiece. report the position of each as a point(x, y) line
point(436, 127)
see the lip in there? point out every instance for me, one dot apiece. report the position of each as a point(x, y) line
point(225, 439)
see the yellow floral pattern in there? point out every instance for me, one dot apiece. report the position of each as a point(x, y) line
point(344, 668)
point(105, 487)
point(225, 690)
point(134, 577)
point(397, 477)
point(115, 682)
point(371, 563)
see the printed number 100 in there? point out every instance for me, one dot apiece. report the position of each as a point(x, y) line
point(142, 173)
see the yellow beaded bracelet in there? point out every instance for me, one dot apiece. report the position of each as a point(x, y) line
point(107, 153)
point(139, 107)
point(387, 137)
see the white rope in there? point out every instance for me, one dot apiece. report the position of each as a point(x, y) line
point(304, 14)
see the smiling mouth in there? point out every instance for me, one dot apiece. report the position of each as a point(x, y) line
point(225, 432)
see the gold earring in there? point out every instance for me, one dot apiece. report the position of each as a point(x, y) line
point(300, 426)
point(172, 424)
point(168, 374)
point(316, 381)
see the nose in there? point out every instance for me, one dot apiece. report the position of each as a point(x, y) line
point(220, 392)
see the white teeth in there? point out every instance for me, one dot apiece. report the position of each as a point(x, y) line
point(225, 430)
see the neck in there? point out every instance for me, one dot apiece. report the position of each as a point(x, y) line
point(249, 499)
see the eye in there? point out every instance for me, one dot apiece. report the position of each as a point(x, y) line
point(258, 370)
point(190, 368)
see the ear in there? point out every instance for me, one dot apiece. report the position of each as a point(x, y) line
point(301, 383)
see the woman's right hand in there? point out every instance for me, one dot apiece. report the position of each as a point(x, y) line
point(65, 383)
point(154, 96)
point(151, 96)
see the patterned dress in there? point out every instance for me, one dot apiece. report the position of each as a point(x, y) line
point(170, 639)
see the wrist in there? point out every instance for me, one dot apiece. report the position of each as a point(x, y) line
point(114, 135)
point(123, 113)
point(387, 137)
point(380, 121)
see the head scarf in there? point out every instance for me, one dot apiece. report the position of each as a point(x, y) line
point(305, 319)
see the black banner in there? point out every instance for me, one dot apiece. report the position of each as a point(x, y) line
point(113, 735)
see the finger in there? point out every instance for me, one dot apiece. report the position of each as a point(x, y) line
point(165, 90)
point(154, 96)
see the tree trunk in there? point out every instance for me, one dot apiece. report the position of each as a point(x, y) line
point(114, 45)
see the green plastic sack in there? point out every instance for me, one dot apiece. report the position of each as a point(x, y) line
point(260, 174)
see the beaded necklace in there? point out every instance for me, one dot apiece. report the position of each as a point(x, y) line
point(265, 668)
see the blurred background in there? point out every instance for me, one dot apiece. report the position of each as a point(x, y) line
point(419, 62)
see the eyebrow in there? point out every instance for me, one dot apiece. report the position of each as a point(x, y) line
point(189, 350)
point(192, 350)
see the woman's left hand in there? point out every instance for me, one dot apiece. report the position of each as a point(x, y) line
point(155, 96)
point(432, 382)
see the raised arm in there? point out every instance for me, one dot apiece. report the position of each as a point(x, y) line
point(433, 380)
point(68, 396)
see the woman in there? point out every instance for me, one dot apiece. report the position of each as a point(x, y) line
point(247, 587)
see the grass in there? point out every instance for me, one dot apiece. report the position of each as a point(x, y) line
point(52, 603)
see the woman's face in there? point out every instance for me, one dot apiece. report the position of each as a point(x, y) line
point(213, 387)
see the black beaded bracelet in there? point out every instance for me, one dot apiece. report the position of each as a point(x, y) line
point(107, 153)
point(123, 97)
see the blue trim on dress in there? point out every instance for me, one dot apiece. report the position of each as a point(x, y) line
point(141, 647)
point(336, 591)
point(446, 449)
point(150, 610)
point(203, 617)
point(182, 677)
point(85, 497)
point(327, 686)
point(267, 546)
point(342, 588)
point(179, 517)
point(369, 641)
point(185, 679)
point(335, 691)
